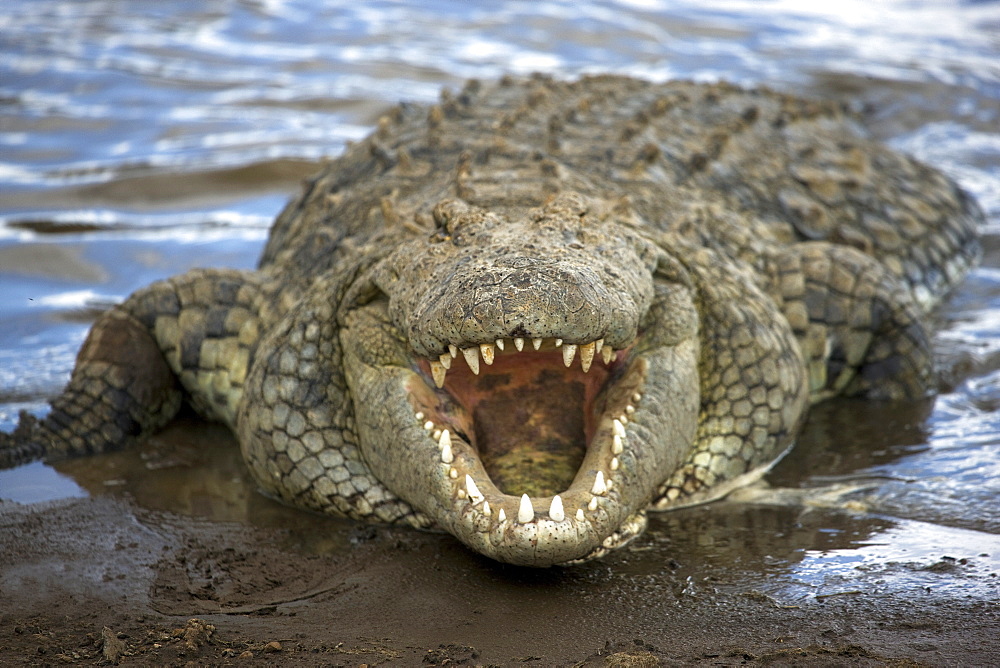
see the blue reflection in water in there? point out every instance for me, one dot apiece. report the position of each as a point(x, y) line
point(35, 483)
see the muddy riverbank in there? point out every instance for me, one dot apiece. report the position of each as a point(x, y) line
point(225, 576)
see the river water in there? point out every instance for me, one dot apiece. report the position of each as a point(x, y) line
point(141, 139)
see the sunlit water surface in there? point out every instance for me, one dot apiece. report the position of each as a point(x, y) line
point(138, 140)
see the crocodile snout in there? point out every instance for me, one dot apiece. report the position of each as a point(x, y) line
point(552, 279)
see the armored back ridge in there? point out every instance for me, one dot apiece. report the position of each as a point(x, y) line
point(534, 312)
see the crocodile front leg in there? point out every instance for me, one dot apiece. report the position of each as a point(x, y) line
point(296, 425)
point(753, 385)
point(191, 336)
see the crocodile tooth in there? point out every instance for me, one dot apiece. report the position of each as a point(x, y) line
point(536, 343)
point(519, 343)
point(569, 352)
point(623, 418)
point(453, 473)
point(472, 358)
point(607, 352)
point(598, 344)
point(486, 508)
point(558, 342)
point(453, 350)
point(579, 515)
point(525, 513)
point(428, 426)
point(587, 355)
point(445, 360)
point(474, 494)
point(617, 445)
point(436, 434)
point(614, 464)
point(636, 397)
point(599, 485)
point(419, 415)
point(447, 456)
point(619, 428)
point(489, 352)
point(556, 511)
point(593, 503)
point(629, 409)
point(439, 372)
point(502, 516)
point(500, 344)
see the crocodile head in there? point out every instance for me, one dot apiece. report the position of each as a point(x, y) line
point(526, 381)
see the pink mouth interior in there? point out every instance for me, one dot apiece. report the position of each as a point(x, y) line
point(528, 416)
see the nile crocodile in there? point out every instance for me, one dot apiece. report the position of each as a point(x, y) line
point(537, 310)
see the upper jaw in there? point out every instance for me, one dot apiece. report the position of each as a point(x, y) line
point(545, 278)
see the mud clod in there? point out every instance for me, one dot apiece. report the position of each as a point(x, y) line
point(196, 634)
point(113, 648)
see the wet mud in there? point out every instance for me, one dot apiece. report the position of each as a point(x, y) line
point(174, 559)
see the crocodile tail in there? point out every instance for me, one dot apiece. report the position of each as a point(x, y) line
point(120, 391)
point(21, 446)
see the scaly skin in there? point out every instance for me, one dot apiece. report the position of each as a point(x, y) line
point(708, 261)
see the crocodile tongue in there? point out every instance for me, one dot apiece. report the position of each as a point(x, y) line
point(531, 417)
point(532, 443)
point(539, 477)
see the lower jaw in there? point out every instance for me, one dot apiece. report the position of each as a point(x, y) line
point(540, 530)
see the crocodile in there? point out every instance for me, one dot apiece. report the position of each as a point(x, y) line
point(537, 310)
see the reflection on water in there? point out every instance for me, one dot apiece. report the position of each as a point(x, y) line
point(139, 140)
point(36, 482)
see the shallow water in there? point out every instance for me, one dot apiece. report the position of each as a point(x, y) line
point(139, 140)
